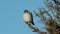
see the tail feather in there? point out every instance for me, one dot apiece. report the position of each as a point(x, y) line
point(32, 23)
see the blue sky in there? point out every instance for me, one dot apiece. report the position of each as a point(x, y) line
point(11, 15)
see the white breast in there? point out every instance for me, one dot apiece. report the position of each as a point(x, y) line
point(27, 17)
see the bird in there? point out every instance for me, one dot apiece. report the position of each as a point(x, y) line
point(28, 17)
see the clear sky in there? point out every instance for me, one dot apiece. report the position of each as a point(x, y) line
point(11, 15)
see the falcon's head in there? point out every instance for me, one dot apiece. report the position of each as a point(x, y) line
point(26, 11)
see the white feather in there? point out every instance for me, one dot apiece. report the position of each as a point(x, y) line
point(27, 17)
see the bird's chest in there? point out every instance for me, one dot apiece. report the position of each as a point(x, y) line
point(27, 17)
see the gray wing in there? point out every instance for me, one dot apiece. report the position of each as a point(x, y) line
point(32, 19)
